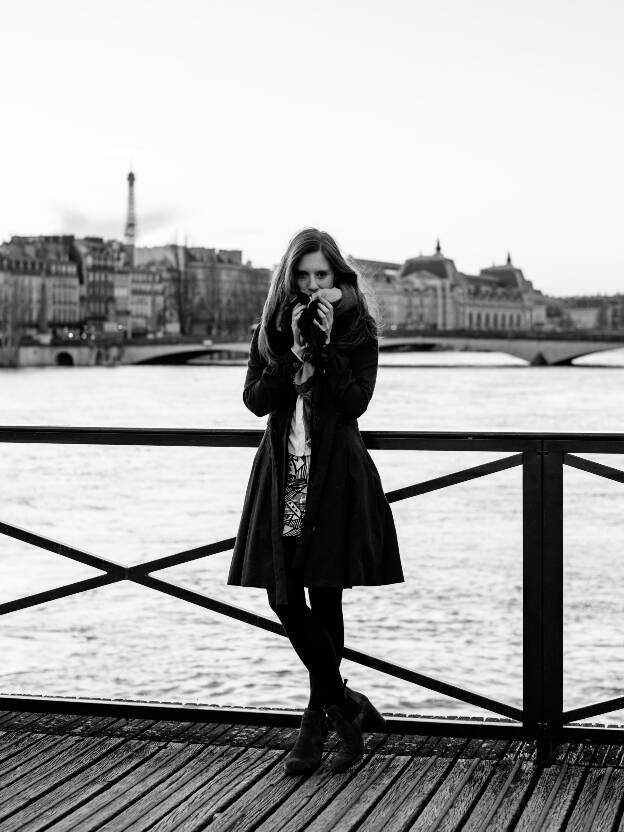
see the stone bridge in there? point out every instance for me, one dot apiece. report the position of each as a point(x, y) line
point(535, 348)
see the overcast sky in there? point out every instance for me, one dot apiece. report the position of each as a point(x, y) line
point(494, 126)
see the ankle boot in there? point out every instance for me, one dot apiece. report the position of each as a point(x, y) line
point(307, 751)
point(369, 718)
point(351, 745)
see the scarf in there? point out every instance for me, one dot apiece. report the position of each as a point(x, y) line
point(303, 381)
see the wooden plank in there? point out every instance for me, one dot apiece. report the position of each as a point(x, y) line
point(77, 790)
point(127, 728)
point(503, 806)
point(89, 726)
point(33, 758)
point(585, 758)
point(600, 755)
point(615, 757)
point(521, 750)
point(598, 802)
point(345, 812)
point(259, 803)
point(455, 796)
point(488, 749)
point(452, 747)
point(19, 720)
point(551, 799)
point(55, 723)
point(205, 732)
point(293, 809)
point(280, 739)
point(165, 729)
point(241, 735)
point(316, 789)
point(107, 805)
point(491, 800)
point(173, 794)
point(12, 744)
point(575, 750)
point(405, 745)
point(80, 755)
point(560, 753)
point(403, 802)
point(193, 808)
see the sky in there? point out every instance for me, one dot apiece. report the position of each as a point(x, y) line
point(493, 126)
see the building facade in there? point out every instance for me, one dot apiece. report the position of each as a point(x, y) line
point(429, 293)
point(210, 292)
point(604, 312)
point(39, 287)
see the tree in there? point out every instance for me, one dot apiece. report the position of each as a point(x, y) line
point(184, 288)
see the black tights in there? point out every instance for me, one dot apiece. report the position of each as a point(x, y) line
point(316, 634)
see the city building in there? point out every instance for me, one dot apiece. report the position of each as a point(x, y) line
point(428, 292)
point(40, 286)
point(604, 312)
point(211, 291)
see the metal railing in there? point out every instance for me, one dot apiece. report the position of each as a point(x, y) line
point(542, 457)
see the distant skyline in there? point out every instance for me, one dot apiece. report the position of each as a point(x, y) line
point(492, 126)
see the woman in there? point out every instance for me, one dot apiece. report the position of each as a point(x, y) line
point(315, 513)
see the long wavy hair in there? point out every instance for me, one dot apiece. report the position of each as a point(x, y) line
point(283, 290)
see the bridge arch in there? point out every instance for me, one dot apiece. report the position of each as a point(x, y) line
point(64, 359)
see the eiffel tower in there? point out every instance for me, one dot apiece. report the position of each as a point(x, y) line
point(130, 232)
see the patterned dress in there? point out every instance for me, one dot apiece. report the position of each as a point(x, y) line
point(295, 496)
point(299, 451)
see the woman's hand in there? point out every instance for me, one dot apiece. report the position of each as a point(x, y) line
point(325, 317)
point(333, 294)
point(295, 324)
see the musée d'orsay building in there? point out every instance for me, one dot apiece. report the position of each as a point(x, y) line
point(428, 292)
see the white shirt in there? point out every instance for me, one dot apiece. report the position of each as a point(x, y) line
point(297, 444)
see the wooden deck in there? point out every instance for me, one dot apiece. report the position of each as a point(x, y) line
point(78, 773)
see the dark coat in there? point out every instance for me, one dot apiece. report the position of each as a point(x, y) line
point(348, 536)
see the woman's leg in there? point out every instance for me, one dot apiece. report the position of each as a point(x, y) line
point(326, 603)
point(312, 642)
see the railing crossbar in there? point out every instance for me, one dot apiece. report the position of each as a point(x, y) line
point(64, 591)
point(66, 551)
point(597, 709)
point(592, 467)
point(399, 672)
point(454, 478)
point(181, 557)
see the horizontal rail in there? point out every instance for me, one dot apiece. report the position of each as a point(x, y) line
point(477, 727)
point(375, 439)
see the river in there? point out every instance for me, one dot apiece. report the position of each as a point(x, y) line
point(457, 617)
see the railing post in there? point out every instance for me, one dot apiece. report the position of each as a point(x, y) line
point(552, 580)
point(532, 595)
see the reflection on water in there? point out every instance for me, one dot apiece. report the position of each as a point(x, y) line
point(457, 617)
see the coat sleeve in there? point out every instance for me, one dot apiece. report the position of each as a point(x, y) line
point(351, 377)
point(266, 386)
